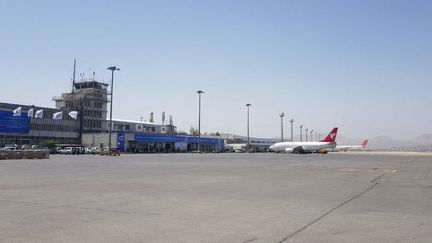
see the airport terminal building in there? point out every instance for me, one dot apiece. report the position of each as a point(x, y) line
point(234, 143)
point(25, 130)
point(89, 126)
point(87, 98)
point(146, 137)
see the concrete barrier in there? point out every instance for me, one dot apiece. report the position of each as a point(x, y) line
point(28, 154)
point(18, 154)
point(10, 154)
point(25, 154)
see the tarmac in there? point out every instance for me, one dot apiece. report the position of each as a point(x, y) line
point(337, 197)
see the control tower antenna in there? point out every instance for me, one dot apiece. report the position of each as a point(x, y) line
point(73, 76)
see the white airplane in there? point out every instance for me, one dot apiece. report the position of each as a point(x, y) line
point(307, 147)
point(352, 147)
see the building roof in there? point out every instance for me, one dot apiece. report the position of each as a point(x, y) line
point(136, 122)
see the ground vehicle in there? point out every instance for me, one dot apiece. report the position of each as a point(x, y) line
point(67, 150)
point(95, 150)
point(76, 150)
point(9, 148)
point(238, 150)
point(87, 150)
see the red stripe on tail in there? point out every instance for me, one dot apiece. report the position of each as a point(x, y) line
point(331, 138)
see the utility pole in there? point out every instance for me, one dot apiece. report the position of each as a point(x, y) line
point(282, 116)
point(112, 68)
point(73, 77)
point(291, 121)
point(199, 92)
point(311, 137)
point(307, 129)
point(301, 133)
point(248, 139)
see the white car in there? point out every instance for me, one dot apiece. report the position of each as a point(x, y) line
point(87, 150)
point(95, 150)
point(9, 148)
point(67, 150)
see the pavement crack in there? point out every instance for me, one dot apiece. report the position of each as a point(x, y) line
point(250, 240)
point(101, 209)
point(379, 177)
point(330, 211)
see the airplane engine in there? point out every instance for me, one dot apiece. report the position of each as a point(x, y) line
point(289, 150)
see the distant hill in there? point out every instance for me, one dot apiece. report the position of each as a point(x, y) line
point(425, 137)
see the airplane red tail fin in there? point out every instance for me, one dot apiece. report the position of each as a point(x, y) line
point(331, 138)
point(365, 142)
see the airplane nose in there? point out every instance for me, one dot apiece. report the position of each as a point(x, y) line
point(271, 147)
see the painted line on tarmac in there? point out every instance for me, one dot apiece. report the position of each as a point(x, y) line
point(330, 211)
point(371, 170)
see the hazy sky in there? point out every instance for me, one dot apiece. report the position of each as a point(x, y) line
point(364, 66)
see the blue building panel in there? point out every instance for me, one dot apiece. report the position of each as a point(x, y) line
point(14, 124)
point(121, 143)
point(203, 140)
point(154, 138)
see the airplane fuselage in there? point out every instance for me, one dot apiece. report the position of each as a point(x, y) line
point(300, 146)
point(348, 147)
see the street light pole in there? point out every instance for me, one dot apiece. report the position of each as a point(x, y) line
point(291, 121)
point(301, 133)
point(311, 137)
point(282, 116)
point(248, 140)
point(307, 129)
point(112, 68)
point(199, 92)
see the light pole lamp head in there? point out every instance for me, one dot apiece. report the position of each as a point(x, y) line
point(248, 105)
point(200, 92)
point(301, 126)
point(312, 131)
point(307, 129)
point(113, 68)
point(282, 114)
point(292, 120)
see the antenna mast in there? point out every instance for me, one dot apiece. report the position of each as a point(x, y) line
point(73, 76)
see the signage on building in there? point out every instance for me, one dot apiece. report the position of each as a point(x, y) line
point(162, 138)
point(180, 146)
point(14, 124)
point(121, 142)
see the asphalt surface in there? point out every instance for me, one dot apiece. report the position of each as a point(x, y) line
point(344, 197)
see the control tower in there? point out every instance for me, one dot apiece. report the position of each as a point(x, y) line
point(90, 99)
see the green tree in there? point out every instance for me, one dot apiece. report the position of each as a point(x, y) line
point(49, 144)
point(193, 131)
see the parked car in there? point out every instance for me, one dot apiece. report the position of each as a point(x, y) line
point(87, 150)
point(76, 150)
point(53, 150)
point(95, 150)
point(9, 148)
point(67, 150)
